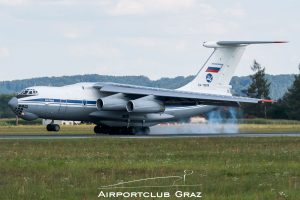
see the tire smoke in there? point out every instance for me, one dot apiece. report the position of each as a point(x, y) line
point(218, 122)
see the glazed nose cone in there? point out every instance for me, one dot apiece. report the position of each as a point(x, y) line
point(13, 103)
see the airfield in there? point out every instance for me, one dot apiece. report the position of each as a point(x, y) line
point(261, 163)
point(150, 136)
point(184, 130)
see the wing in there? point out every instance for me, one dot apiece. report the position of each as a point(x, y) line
point(171, 97)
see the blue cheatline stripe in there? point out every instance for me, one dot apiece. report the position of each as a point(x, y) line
point(91, 102)
point(68, 101)
point(74, 101)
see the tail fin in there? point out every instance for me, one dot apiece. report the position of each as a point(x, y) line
point(217, 71)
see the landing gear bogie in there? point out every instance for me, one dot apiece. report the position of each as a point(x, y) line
point(121, 130)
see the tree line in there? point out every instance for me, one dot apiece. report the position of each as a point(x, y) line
point(5, 111)
point(287, 107)
point(279, 83)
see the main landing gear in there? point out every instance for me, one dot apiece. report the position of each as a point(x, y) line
point(121, 130)
point(53, 127)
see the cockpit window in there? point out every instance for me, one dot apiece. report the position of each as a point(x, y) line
point(27, 92)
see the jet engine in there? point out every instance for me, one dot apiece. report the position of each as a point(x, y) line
point(113, 102)
point(145, 105)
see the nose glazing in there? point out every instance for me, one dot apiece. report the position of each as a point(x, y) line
point(13, 103)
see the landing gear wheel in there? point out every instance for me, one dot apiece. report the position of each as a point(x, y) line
point(145, 130)
point(101, 129)
point(53, 127)
point(48, 127)
point(121, 130)
point(139, 130)
point(97, 129)
point(56, 127)
point(132, 131)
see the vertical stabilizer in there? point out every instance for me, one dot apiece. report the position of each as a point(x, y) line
point(216, 73)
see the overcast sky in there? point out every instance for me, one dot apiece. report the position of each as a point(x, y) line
point(155, 38)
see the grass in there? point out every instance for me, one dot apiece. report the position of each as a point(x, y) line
point(226, 168)
point(269, 121)
point(269, 128)
point(40, 129)
point(12, 122)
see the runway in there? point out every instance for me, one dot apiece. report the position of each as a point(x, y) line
point(150, 136)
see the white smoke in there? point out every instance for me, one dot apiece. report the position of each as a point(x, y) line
point(218, 122)
point(223, 124)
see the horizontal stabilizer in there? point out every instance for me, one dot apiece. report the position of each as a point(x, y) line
point(247, 42)
point(214, 44)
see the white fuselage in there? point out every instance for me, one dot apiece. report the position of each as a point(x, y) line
point(78, 103)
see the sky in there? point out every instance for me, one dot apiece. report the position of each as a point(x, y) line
point(154, 38)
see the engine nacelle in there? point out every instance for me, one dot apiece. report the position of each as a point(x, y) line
point(145, 105)
point(113, 102)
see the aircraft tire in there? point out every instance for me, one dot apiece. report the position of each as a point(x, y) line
point(98, 129)
point(56, 127)
point(48, 127)
point(122, 130)
point(138, 130)
point(145, 130)
point(53, 127)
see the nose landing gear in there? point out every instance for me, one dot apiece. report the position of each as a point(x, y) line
point(53, 127)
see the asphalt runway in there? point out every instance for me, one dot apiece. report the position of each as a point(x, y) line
point(150, 136)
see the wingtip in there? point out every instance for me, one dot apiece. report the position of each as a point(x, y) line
point(267, 101)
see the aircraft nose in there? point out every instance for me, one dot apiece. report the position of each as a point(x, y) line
point(13, 103)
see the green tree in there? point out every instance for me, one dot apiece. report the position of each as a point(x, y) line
point(259, 88)
point(291, 99)
point(278, 110)
point(5, 111)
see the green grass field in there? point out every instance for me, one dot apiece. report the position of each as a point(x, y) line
point(225, 168)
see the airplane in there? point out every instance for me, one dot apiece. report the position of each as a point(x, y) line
point(130, 109)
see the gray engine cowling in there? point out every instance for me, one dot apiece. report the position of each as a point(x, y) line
point(145, 105)
point(113, 102)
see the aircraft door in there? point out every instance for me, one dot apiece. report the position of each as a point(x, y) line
point(84, 104)
point(52, 106)
point(63, 107)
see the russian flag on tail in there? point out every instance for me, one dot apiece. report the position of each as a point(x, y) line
point(214, 67)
